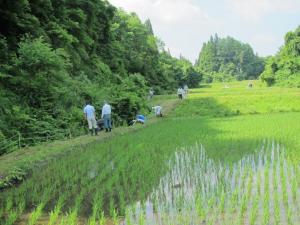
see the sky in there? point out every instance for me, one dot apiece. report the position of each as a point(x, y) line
point(184, 25)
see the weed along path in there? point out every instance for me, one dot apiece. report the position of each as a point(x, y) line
point(222, 156)
point(14, 167)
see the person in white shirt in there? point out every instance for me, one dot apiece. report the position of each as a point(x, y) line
point(106, 116)
point(180, 93)
point(157, 111)
point(90, 116)
point(151, 93)
point(186, 89)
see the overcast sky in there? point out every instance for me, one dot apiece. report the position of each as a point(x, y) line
point(183, 25)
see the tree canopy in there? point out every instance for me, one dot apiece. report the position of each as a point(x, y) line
point(284, 67)
point(224, 59)
point(55, 55)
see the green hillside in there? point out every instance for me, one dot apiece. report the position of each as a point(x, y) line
point(215, 130)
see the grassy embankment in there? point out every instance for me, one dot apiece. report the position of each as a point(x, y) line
point(235, 128)
point(14, 167)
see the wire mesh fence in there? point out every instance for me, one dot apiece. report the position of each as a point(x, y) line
point(21, 140)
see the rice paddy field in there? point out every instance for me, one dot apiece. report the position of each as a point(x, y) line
point(222, 156)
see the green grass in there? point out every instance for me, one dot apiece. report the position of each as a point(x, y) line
point(217, 101)
point(116, 173)
point(16, 166)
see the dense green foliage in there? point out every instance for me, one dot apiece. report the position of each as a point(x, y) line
point(130, 170)
point(225, 59)
point(54, 55)
point(182, 70)
point(284, 67)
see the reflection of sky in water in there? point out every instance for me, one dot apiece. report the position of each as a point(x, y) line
point(94, 169)
point(193, 176)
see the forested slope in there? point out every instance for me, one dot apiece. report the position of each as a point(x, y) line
point(55, 54)
point(225, 59)
point(284, 67)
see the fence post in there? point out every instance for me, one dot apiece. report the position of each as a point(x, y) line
point(19, 140)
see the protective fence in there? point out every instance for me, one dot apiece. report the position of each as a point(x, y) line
point(21, 140)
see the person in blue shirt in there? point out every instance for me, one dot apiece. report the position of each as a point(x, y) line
point(138, 119)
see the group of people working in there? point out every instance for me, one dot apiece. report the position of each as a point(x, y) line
point(90, 116)
point(142, 119)
point(94, 125)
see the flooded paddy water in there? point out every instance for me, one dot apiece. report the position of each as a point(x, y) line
point(259, 188)
point(262, 188)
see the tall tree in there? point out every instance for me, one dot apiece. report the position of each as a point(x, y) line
point(226, 58)
point(55, 54)
point(284, 67)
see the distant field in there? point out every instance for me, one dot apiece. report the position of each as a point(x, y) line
point(223, 156)
point(237, 99)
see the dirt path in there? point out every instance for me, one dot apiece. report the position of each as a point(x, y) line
point(15, 166)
